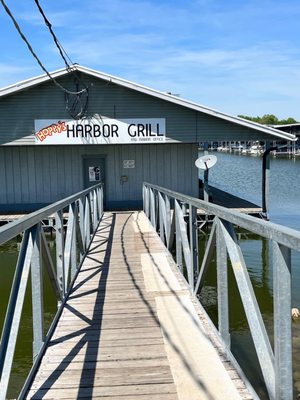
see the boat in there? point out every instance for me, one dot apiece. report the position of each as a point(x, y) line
point(256, 149)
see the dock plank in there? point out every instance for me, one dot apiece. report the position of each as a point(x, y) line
point(104, 391)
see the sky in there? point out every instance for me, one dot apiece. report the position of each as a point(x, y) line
point(235, 56)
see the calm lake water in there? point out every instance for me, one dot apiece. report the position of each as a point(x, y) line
point(240, 175)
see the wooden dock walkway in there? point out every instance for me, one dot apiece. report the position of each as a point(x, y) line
point(130, 330)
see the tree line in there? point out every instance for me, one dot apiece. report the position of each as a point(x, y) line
point(270, 119)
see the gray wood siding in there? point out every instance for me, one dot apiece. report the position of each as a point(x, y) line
point(45, 101)
point(215, 129)
point(44, 174)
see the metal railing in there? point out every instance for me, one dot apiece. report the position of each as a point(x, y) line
point(174, 216)
point(76, 220)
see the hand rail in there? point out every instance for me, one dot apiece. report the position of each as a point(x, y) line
point(83, 213)
point(178, 224)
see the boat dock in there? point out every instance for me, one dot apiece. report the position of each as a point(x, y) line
point(232, 202)
point(130, 328)
point(217, 196)
point(6, 218)
point(48, 222)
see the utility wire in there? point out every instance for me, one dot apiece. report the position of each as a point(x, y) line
point(58, 45)
point(75, 105)
point(62, 51)
point(35, 55)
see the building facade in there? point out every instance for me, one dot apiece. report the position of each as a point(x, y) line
point(56, 142)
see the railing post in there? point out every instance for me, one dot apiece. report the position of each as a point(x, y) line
point(69, 246)
point(74, 242)
point(183, 244)
point(152, 208)
point(193, 243)
point(178, 238)
point(60, 269)
point(222, 286)
point(95, 213)
point(37, 292)
point(282, 322)
point(81, 222)
point(170, 223)
point(144, 198)
point(162, 217)
point(91, 201)
point(168, 220)
point(87, 223)
point(100, 202)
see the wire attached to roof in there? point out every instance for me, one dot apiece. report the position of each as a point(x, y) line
point(77, 105)
point(35, 55)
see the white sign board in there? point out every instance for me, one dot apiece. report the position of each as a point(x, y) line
point(98, 130)
point(94, 174)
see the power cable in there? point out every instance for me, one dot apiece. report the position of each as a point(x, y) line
point(75, 105)
point(58, 45)
point(35, 55)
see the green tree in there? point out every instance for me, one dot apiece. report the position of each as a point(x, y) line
point(289, 120)
point(269, 119)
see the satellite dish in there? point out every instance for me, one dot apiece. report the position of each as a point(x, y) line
point(206, 162)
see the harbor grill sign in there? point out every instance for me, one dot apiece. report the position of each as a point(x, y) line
point(98, 130)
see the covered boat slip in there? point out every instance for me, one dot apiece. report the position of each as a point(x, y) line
point(130, 328)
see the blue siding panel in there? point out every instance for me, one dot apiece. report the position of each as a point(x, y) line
point(32, 175)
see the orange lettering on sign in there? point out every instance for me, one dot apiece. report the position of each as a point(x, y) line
point(50, 130)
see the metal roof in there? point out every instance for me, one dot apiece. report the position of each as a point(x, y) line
point(149, 91)
point(296, 125)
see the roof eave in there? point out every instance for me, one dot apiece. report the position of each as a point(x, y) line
point(189, 104)
point(27, 83)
